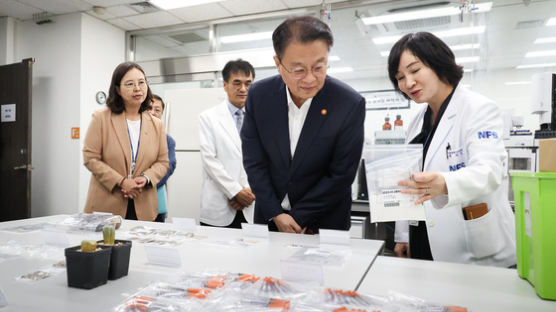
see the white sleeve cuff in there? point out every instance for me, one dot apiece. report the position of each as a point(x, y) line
point(146, 177)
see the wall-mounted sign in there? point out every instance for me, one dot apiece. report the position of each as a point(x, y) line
point(8, 113)
point(75, 133)
point(384, 99)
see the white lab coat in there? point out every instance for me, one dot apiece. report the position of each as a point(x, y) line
point(468, 150)
point(223, 173)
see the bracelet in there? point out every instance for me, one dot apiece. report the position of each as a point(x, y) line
point(121, 182)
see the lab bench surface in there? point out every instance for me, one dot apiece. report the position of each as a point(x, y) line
point(262, 258)
point(478, 288)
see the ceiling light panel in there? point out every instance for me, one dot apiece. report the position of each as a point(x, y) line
point(467, 59)
point(515, 83)
point(423, 14)
point(469, 46)
point(458, 47)
point(551, 21)
point(540, 53)
point(267, 35)
point(442, 34)
point(460, 31)
point(335, 70)
point(541, 65)
point(174, 4)
point(545, 40)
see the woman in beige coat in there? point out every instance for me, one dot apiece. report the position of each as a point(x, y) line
point(125, 149)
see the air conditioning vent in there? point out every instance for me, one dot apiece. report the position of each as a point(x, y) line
point(187, 38)
point(423, 23)
point(530, 24)
point(143, 7)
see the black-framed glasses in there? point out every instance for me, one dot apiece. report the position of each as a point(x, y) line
point(300, 72)
point(142, 84)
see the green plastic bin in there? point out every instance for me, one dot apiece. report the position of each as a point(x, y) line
point(535, 219)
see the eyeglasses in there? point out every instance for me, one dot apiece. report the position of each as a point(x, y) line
point(300, 72)
point(142, 84)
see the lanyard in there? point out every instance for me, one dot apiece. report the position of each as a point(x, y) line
point(134, 157)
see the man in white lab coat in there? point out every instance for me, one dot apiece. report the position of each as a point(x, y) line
point(227, 199)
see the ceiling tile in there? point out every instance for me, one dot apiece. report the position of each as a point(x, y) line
point(103, 16)
point(201, 12)
point(306, 3)
point(242, 7)
point(123, 24)
point(155, 19)
point(17, 10)
point(121, 10)
point(301, 3)
point(109, 3)
point(58, 6)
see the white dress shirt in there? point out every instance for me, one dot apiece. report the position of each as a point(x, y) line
point(233, 109)
point(134, 127)
point(296, 119)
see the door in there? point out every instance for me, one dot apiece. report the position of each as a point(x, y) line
point(15, 140)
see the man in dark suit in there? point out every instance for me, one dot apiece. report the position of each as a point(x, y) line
point(302, 135)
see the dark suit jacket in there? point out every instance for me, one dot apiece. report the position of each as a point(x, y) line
point(318, 179)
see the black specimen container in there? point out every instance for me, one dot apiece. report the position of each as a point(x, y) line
point(87, 269)
point(119, 259)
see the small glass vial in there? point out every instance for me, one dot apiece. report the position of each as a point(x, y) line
point(398, 123)
point(386, 125)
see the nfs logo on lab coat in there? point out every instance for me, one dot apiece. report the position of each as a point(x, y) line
point(488, 134)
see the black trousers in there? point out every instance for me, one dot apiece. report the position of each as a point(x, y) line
point(236, 223)
point(161, 217)
point(130, 213)
point(419, 246)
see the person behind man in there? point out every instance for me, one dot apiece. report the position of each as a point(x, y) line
point(302, 135)
point(226, 198)
point(157, 109)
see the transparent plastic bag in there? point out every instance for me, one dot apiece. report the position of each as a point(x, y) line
point(155, 236)
point(385, 165)
point(91, 222)
point(328, 299)
point(13, 249)
point(3, 300)
point(405, 303)
point(43, 273)
point(321, 255)
point(29, 227)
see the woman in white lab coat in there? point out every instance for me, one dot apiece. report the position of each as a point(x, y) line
point(464, 161)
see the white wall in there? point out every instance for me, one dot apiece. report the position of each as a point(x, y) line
point(516, 97)
point(102, 49)
point(56, 89)
point(74, 57)
point(7, 36)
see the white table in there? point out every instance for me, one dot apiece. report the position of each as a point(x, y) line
point(479, 288)
point(263, 258)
